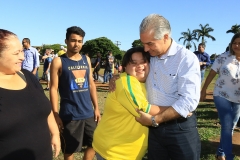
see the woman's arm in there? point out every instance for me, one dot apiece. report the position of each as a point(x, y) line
point(208, 80)
point(55, 137)
point(134, 97)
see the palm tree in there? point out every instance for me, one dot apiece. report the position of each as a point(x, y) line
point(189, 37)
point(234, 29)
point(204, 32)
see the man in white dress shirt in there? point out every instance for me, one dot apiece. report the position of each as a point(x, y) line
point(173, 82)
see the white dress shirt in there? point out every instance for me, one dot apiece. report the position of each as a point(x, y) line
point(174, 80)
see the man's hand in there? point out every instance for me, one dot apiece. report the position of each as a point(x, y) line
point(144, 119)
point(46, 72)
point(112, 84)
point(34, 72)
point(59, 122)
point(97, 116)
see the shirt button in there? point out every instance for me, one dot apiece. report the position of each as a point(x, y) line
point(155, 73)
point(154, 84)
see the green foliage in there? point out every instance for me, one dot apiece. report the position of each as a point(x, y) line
point(234, 29)
point(213, 56)
point(102, 45)
point(189, 37)
point(137, 43)
point(203, 32)
point(55, 47)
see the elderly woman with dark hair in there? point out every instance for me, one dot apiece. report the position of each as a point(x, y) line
point(27, 125)
point(118, 135)
point(226, 94)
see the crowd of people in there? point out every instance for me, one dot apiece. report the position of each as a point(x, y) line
point(151, 105)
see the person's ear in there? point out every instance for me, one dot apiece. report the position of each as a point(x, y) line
point(65, 41)
point(166, 36)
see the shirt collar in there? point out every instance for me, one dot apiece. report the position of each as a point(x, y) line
point(27, 48)
point(171, 51)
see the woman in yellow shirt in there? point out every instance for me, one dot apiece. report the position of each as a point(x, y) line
point(118, 135)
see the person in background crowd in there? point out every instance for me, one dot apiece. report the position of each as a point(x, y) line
point(31, 57)
point(226, 94)
point(71, 75)
point(108, 71)
point(61, 51)
point(28, 127)
point(46, 67)
point(97, 66)
point(204, 59)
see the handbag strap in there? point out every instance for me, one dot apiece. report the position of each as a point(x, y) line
point(22, 76)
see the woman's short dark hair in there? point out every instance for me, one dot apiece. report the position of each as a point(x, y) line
point(237, 35)
point(127, 58)
point(4, 35)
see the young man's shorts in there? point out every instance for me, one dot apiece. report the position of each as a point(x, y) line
point(76, 134)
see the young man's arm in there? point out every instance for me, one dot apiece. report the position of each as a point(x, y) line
point(54, 75)
point(93, 93)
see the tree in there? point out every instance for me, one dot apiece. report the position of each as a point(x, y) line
point(189, 37)
point(213, 56)
point(102, 45)
point(137, 43)
point(234, 29)
point(120, 55)
point(55, 47)
point(204, 32)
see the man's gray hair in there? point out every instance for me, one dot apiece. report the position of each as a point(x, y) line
point(157, 24)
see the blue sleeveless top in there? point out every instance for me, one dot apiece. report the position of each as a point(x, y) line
point(75, 103)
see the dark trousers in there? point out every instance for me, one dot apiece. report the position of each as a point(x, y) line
point(175, 140)
point(95, 73)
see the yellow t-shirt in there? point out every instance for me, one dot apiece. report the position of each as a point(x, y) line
point(118, 135)
point(61, 52)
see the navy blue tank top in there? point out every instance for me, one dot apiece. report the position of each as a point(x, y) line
point(75, 103)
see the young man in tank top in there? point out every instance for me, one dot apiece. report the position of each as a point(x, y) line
point(71, 76)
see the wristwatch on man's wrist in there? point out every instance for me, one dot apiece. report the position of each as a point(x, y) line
point(154, 123)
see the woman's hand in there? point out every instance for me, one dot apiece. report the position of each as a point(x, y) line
point(112, 84)
point(56, 144)
point(203, 95)
point(59, 122)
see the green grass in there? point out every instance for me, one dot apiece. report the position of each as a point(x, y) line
point(208, 123)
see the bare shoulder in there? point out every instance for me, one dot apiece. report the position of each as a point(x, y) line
point(89, 61)
point(56, 62)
